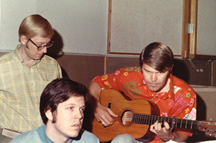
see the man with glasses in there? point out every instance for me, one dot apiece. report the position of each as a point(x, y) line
point(24, 73)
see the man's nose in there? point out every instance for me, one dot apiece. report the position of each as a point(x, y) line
point(154, 76)
point(44, 50)
point(79, 114)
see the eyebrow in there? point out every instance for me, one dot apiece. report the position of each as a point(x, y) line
point(146, 70)
point(151, 71)
point(75, 104)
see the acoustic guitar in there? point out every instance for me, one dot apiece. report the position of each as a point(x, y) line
point(135, 117)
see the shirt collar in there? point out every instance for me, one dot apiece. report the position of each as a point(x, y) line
point(19, 57)
point(166, 94)
point(169, 93)
point(17, 53)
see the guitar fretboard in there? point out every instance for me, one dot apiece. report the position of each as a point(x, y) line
point(173, 122)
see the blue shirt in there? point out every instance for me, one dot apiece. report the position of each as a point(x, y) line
point(38, 135)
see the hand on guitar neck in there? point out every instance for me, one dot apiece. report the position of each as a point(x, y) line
point(163, 131)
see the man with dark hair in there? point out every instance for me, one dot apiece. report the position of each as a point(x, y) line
point(62, 106)
point(154, 82)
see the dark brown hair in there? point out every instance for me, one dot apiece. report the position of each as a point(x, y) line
point(58, 91)
point(158, 56)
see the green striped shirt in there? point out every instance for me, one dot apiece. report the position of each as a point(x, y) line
point(20, 90)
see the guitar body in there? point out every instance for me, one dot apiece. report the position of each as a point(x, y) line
point(122, 125)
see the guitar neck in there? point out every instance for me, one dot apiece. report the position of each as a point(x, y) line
point(173, 122)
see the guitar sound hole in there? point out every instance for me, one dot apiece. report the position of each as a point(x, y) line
point(127, 117)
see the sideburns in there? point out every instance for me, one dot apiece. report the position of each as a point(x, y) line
point(54, 116)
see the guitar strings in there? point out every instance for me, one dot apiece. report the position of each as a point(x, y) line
point(179, 123)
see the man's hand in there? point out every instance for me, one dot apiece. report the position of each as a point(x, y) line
point(104, 115)
point(163, 132)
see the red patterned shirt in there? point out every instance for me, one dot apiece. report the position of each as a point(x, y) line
point(179, 100)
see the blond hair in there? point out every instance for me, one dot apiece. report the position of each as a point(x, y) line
point(35, 25)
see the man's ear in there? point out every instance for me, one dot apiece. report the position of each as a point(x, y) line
point(23, 40)
point(49, 114)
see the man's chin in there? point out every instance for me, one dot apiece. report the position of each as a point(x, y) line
point(154, 88)
point(38, 57)
point(74, 135)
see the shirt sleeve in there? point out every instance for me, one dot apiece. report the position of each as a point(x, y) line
point(111, 80)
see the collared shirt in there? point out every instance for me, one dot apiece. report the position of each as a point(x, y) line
point(20, 90)
point(38, 135)
point(179, 100)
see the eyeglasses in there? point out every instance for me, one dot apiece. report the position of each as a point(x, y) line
point(48, 45)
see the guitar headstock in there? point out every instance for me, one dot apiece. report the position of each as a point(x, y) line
point(209, 127)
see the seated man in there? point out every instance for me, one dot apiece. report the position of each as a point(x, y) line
point(62, 106)
point(154, 82)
